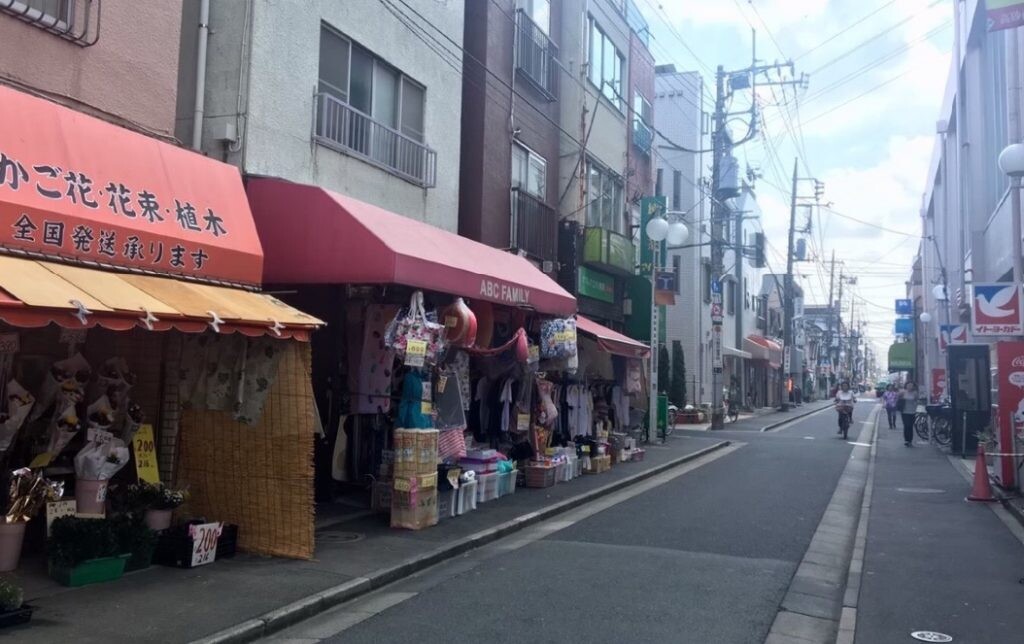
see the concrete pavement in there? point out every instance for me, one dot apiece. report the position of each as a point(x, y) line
point(701, 555)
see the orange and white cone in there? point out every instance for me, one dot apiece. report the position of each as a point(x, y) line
point(982, 490)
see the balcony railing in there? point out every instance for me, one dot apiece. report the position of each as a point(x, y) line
point(534, 226)
point(341, 127)
point(536, 55)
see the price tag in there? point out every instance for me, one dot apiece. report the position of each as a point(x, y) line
point(97, 435)
point(402, 485)
point(549, 451)
point(144, 448)
point(204, 542)
point(441, 383)
point(9, 343)
point(450, 321)
point(415, 353)
point(426, 408)
point(523, 422)
point(585, 449)
point(58, 509)
point(534, 355)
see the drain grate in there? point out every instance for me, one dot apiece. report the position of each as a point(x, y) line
point(931, 636)
point(340, 537)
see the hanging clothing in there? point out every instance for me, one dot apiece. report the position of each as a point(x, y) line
point(410, 409)
point(376, 362)
point(506, 404)
point(461, 365)
point(448, 401)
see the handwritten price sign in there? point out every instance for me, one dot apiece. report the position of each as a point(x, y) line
point(415, 353)
point(204, 542)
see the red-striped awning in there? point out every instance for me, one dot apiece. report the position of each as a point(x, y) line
point(612, 341)
point(762, 348)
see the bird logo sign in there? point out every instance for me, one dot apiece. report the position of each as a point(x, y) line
point(952, 334)
point(996, 310)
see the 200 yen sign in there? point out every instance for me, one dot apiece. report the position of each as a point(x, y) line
point(204, 542)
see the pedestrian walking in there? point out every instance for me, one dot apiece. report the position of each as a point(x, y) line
point(891, 399)
point(908, 408)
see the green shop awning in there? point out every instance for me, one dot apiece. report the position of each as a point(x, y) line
point(901, 356)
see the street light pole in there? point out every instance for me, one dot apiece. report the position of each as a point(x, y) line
point(1011, 161)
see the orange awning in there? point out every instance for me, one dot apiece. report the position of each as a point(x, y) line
point(77, 189)
point(612, 341)
point(36, 293)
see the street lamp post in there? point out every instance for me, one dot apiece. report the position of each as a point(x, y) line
point(1011, 161)
point(658, 230)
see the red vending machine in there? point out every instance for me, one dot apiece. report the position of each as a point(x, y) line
point(1009, 360)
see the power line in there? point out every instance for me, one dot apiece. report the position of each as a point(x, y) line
point(844, 30)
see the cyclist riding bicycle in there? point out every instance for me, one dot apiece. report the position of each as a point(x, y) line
point(845, 400)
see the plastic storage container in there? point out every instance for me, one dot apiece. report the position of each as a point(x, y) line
point(487, 487)
point(466, 498)
point(507, 482)
point(446, 502)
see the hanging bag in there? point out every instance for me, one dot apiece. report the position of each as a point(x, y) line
point(411, 328)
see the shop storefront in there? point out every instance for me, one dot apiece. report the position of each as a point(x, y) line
point(134, 343)
point(446, 372)
point(766, 358)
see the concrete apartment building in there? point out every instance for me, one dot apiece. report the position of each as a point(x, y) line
point(510, 131)
point(357, 97)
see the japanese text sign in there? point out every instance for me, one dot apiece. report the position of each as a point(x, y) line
point(204, 542)
point(74, 186)
point(904, 307)
point(1004, 14)
point(996, 310)
point(144, 447)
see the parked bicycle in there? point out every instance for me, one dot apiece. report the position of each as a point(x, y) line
point(933, 421)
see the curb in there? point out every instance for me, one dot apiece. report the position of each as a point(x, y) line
point(789, 419)
point(307, 607)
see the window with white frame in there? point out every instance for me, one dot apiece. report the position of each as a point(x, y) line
point(50, 14)
point(539, 12)
point(604, 198)
point(353, 75)
point(605, 64)
point(529, 171)
point(643, 133)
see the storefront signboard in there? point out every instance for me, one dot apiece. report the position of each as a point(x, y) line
point(996, 310)
point(904, 307)
point(1009, 363)
point(204, 542)
point(938, 384)
point(952, 334)
point(596, 285)
point(77, 188)
point(504, 293)
point(144, 448)
point(1004, 14)
point(716, 348)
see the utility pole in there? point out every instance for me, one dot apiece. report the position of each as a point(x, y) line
point(787, 285)
point(839, 319)
point(725, 84)
point(831, 311)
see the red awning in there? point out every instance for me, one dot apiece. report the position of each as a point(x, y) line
point(762, 348)
point(612, 341)
point(314, 236)
point(74, 188)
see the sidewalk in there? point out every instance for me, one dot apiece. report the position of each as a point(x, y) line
point(934, 561)
point(753, 421)
point(353, 556)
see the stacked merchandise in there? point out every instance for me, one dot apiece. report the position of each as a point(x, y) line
point(414, 495)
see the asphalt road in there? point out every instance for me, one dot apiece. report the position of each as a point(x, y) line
point(703, 554)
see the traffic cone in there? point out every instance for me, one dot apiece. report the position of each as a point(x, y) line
point(982, 490)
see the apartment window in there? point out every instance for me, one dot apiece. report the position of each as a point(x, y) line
point(677, 266)
point(677, 189)
point(48, 14)
point(604, 198)
point(605, 64)
point(539, 12)
point(529, 171)
point(643, 134)
point(657, 183)
point(369, 107)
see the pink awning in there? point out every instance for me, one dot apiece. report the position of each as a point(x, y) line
point(762, 348)
point(314, 236)
point(612, 341)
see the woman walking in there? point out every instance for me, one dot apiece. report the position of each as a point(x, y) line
point(891, 398)
point(908, 408)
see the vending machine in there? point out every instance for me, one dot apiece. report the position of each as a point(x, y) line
point(1008, 385)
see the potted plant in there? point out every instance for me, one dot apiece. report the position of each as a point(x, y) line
point(137, 539)
point(95, 464)
point(158, 501)
point(28, 492)
point(85, 551)
point(13, 609)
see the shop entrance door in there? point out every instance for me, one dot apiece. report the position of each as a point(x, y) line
point(970, 387)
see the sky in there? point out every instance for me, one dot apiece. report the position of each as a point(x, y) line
point(864, 125)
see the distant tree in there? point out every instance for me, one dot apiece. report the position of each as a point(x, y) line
point(677, 392)
point(664, 369)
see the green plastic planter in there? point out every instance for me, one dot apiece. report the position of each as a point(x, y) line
point(93, 571)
